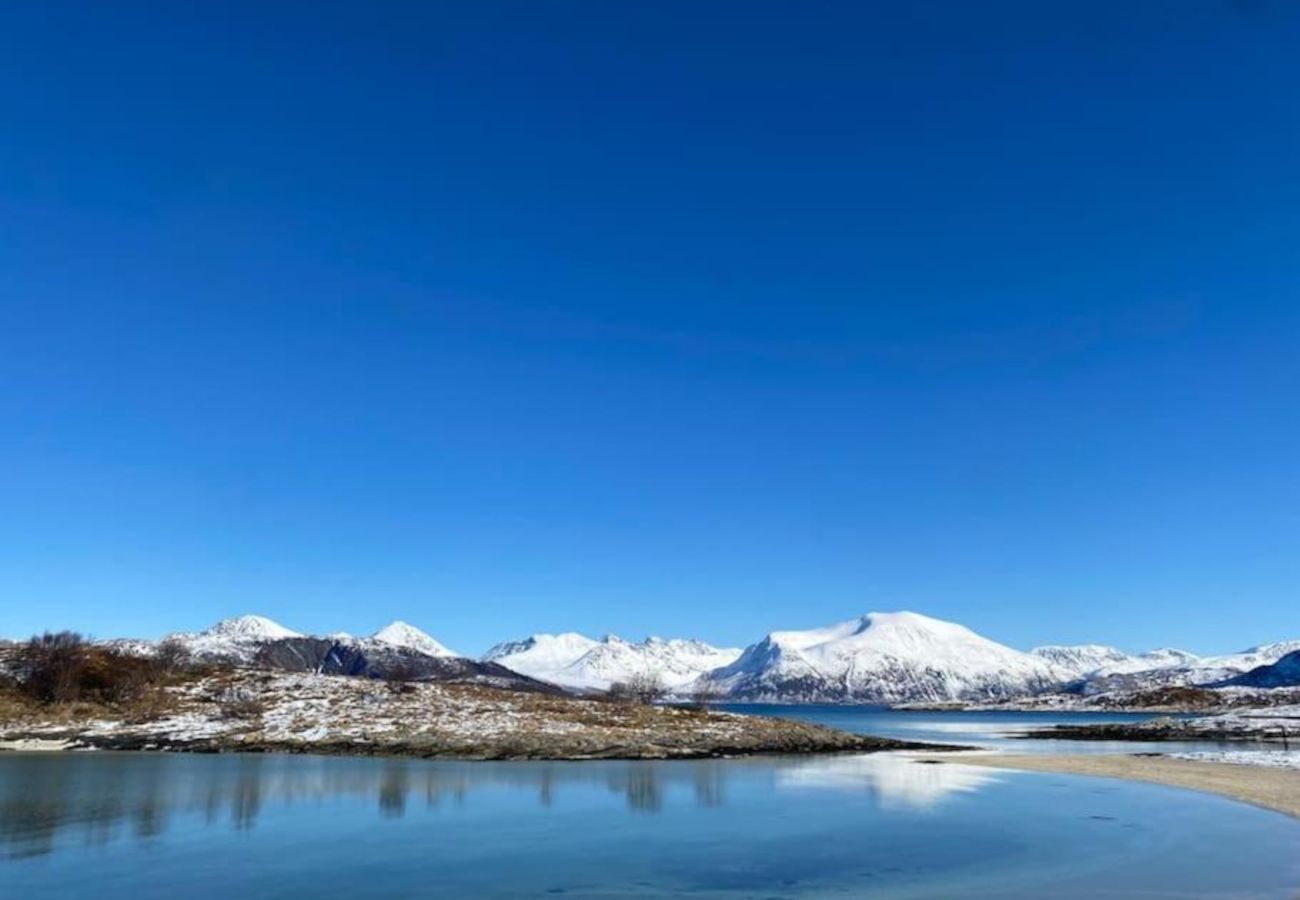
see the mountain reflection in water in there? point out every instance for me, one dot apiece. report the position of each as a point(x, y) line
point(896, 782)
point(106, 797)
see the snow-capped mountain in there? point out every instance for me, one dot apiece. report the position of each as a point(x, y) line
point(238, 638)
point(401, 634)
point(576, 661)
point(398, 651)
point(878, 658)
point(882, 658)
point(244, 638)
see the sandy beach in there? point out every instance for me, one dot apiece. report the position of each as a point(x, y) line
point(1270, 788)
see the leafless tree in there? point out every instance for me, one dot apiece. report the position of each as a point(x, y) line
point(52, 666)
point(171, 656)
point(644, 688)
point(706, 694)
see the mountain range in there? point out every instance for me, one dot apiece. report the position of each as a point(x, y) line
point(576, 661)
point(891, 657)
point(397, 651)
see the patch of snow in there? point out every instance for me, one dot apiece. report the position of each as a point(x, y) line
point(1277, 759)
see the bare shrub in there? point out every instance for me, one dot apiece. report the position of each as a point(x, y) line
point(172, 656)
point(67, 668)
point(644, 688)
point(50, 667)
point(117, 678)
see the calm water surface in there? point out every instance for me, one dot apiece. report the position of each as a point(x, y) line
point(140, 826)
point(994, 730)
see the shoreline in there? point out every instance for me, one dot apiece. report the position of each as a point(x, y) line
point(1273, 789)
point(826, 743)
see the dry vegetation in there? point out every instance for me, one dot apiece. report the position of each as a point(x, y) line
point(65, 677)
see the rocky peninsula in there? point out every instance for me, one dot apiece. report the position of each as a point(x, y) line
point(250, 710)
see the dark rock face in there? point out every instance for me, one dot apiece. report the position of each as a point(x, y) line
point(293, 654)
point(372, 660)
point(1283, 673)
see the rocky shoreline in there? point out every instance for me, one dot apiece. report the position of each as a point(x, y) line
point(1280, 727)
point(1167, 700)
point(253, 711)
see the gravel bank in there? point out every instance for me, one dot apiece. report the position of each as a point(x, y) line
point(1271, 788)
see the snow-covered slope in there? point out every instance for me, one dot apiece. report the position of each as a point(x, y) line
point(676, 662)
point(1283, 673)
point(1094, 660)
point(1263, 655)
point(1082, 659)
point(882, 658)
point(1178, 668)
point(576, 661)
point(408, 637)
point(238, 638)
point(541, 655)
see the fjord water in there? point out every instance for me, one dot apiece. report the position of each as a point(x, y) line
point(990, 729)
point(163, 826)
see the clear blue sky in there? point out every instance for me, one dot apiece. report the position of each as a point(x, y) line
point(673, 318)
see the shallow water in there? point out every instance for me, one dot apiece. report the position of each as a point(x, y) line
point(162, 826)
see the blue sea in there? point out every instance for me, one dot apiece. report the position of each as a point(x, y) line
point(118, 826)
